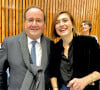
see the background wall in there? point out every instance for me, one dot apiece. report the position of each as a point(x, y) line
point(12, 11)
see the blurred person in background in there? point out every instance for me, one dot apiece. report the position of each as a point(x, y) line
point(86, 28)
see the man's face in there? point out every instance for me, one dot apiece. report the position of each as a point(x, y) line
point(34, 23)
point(85, 29)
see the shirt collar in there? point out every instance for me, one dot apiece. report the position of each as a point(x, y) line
point(30, 40)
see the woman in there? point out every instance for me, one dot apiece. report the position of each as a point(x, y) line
point(74, 64)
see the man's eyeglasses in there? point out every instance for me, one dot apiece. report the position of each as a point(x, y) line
point(30, 21)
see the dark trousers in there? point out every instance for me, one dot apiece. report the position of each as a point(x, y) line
point(63, 87)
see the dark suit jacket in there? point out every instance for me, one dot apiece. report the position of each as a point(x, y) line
point(15, 55)
point(86, 55)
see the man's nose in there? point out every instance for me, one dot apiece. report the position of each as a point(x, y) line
point(34, 22)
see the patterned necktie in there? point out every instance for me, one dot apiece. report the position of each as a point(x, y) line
point(33, 52)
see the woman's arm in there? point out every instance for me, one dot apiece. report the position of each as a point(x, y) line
point(54, 83)
point(81, 83)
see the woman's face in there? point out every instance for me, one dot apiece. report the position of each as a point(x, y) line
point(63, 25)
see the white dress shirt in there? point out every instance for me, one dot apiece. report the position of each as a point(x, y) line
point(0, 45)
point(38, 49)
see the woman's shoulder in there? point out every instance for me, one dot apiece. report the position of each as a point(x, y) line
point(85, 38)
point(59, 43)
point(88, 40)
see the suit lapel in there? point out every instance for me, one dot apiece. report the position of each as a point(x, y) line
point(44, 59)
point(24, 49)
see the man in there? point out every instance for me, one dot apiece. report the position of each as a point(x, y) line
point(86, 28)
point(16, 54)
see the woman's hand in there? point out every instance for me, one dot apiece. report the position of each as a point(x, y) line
point(81, 83)
point(77, 84)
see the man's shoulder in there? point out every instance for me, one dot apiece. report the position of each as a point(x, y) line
point(48, 39)
point(10, 38)
point(15, 37)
